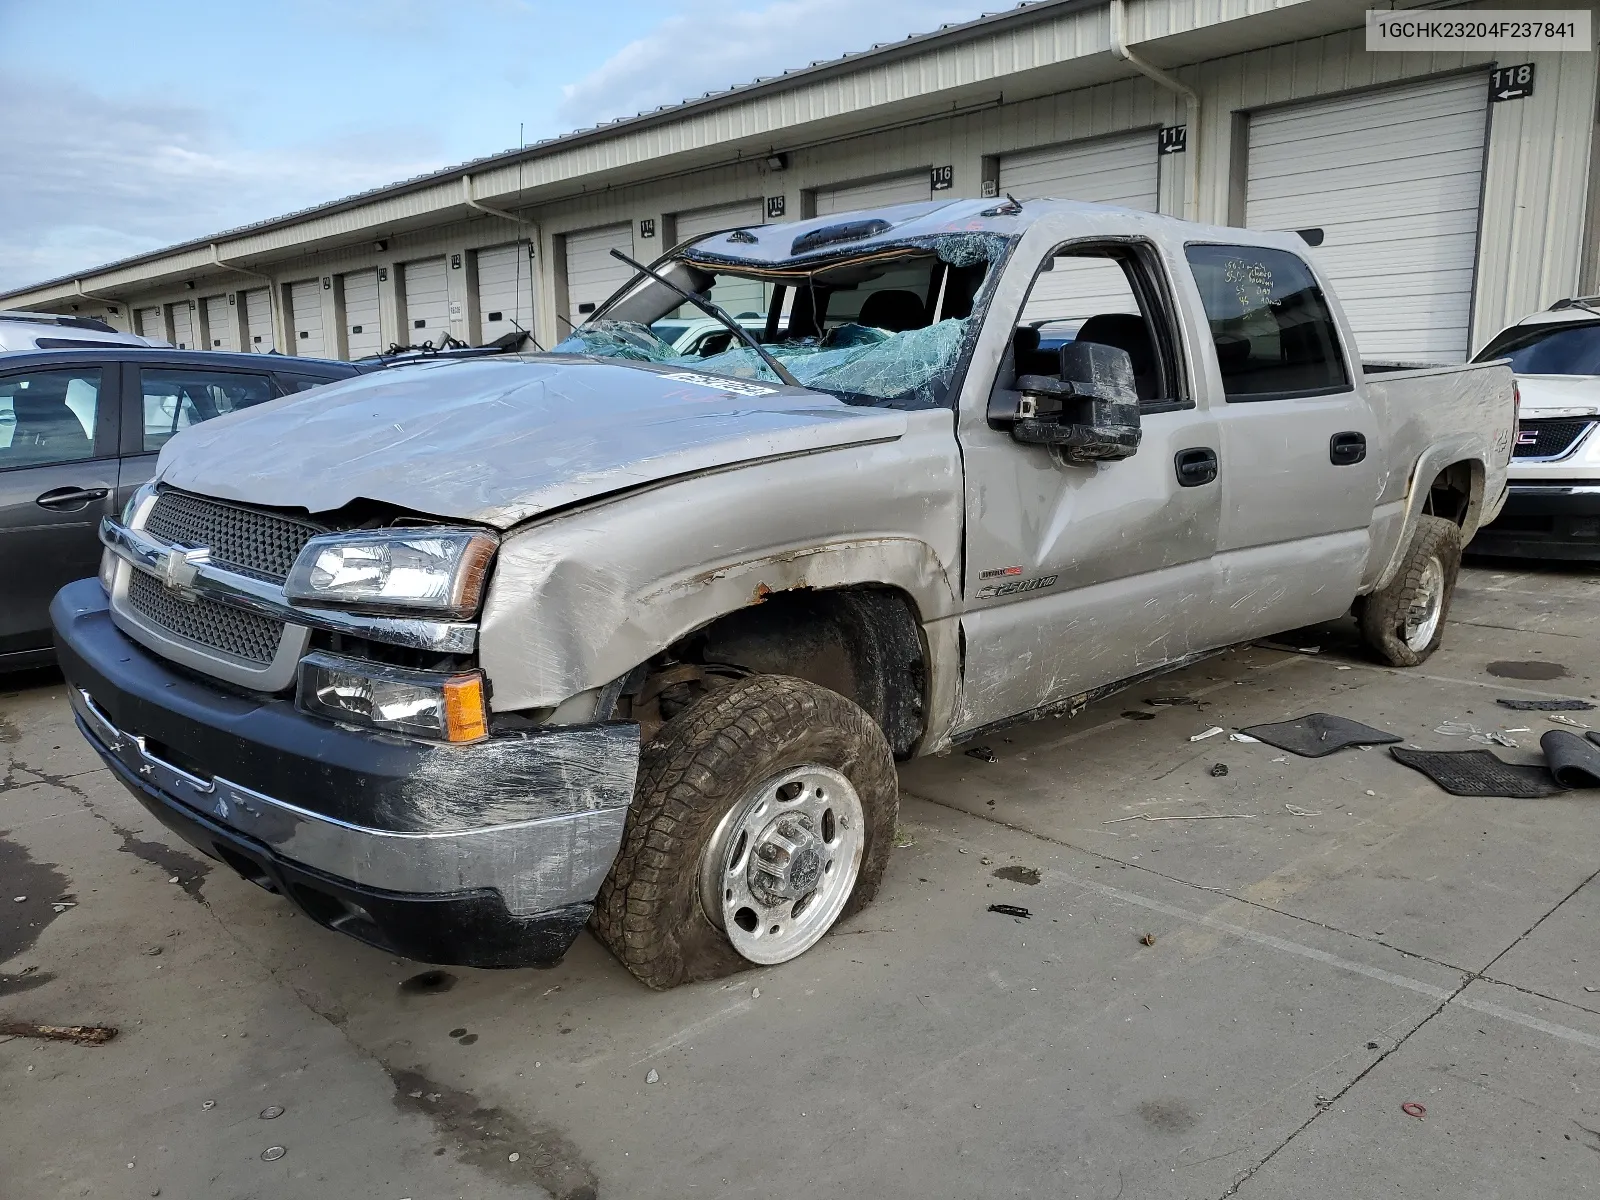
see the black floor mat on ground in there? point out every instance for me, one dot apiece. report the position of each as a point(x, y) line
point(1479, 773)
point(1574, 762)
point(1318, 734)
point(1546, 705)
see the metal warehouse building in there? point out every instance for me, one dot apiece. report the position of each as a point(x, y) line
point(1451, 192)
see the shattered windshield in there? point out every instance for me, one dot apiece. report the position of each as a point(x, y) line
point(888, 327)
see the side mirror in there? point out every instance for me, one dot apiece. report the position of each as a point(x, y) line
point(1090, 412)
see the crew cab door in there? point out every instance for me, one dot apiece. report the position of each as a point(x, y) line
point(1079, 575)
point(1302, 444)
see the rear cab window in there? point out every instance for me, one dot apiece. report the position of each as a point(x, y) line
point(1270, 325)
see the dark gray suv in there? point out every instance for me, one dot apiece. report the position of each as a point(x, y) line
point(79, 432)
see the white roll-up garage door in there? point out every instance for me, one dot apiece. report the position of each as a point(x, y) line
point(1117, 170)
point(879, 193)
point(150, 324)
point(305, 315)
point(505, 291)
point(183, 325)
point(592, 274)
point(219, 324)
point(427, 302)
point(361, 313)
point(701, 221)
point(1394, 181)
point(258, 320)
point(740, 297)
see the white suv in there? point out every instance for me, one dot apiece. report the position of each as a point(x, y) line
point(1553, 510)
point(52, 331)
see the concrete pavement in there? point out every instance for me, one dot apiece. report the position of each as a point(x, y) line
point(1353, 940)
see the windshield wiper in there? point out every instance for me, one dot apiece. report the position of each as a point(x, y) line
point(712, 310)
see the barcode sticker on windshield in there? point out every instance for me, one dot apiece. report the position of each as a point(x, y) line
point(739, 387)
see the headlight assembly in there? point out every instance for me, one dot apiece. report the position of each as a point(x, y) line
point(425, 704)
point(428, 571)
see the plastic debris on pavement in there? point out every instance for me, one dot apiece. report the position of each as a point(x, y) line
point(1212, 732)
point(1011, 910)
point(1546, 705)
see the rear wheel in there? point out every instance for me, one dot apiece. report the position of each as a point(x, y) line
point(1405, 621)
point(763, 814)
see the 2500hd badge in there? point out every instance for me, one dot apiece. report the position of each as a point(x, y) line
point(1013, 586)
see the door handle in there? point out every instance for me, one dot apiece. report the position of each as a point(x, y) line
point(1196, 467)
point(70, 499)
point(1347, 449)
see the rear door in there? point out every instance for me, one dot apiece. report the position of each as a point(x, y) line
point(58, 477)
point(1300, 445)
point(160, 402)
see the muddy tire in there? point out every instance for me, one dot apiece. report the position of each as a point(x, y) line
point(807, 780)
point(1404, 622)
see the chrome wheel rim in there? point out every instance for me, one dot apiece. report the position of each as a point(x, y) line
point(782, 863)
point(1427, 606)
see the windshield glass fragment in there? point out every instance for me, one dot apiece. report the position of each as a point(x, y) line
point(890, 327)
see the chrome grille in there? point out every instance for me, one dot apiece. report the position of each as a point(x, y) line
point(261, 544)
point(205, 622)
point(1549, 438)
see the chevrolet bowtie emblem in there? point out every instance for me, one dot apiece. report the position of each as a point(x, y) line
point(181, 564)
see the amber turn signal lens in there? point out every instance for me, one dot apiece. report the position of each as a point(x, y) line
point(466, 717)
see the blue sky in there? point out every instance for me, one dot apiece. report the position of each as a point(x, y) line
point(127, 127)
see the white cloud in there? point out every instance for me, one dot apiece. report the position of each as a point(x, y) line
point(711, 47)
point(89, 180)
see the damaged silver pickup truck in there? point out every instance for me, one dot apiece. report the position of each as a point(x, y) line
point(460, 656)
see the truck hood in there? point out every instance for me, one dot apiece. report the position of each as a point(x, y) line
point(1559, 395)
point(497, 441)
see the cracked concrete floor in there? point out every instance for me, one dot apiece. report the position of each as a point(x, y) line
point(1355, 941)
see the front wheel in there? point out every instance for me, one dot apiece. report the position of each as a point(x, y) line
point(1405, 621)
point(763, 814)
